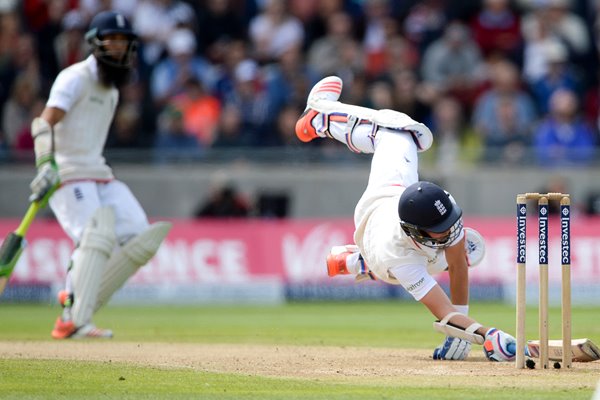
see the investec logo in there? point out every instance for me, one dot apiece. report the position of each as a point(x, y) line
point(521, 238)
point(565, 236)
point(543, 235)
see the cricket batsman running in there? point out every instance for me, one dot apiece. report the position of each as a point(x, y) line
point(109, 228)
point(405, 229)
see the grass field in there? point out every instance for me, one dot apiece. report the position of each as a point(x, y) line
point(375, 350)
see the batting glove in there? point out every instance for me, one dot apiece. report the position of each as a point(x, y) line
point(452, 349)
point(46, 180)
point(499, 346)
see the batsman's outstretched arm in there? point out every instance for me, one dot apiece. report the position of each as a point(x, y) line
point(497, 345)
point(458, 271)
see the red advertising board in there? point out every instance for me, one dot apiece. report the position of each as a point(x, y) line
point(293, 251)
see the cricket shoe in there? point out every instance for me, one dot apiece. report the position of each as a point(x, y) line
point(336, 263)
point(67, 330)
point(63, 329)
point(336, 259)
point(329, 88)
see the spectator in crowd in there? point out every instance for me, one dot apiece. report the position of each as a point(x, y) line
point(454, 145)
point(219, 24)
point(125, 130)
point(327, 55)
point(453, 65)
point(504, 115)
point(380, 95)
point(274, 30)
point(135, 95)
point(229, 128)
point(235, 51)
point(257, 110)
point(171, 74)
point(379, 26)
point(563, 137)
point(412, 44)
point(559, 75)
point(410, 97)
point(535, 54)
point(10, 28)
point(45, 38)
point(16, 113)
point(200, 111)
point(425, 23)
point(496, 29)
point(562, 24)
point(69, 45)
point(399, 54)
point(23, 144)
point(289, 78)
point(155, 21)
point(286, 124)
point(19, 59)
point(224, 202)
point(318, 24)
point(173, 142)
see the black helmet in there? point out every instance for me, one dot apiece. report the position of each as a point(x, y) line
point(106, 23)
point(425, 207)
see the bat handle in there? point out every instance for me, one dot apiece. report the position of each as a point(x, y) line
point(34, 207)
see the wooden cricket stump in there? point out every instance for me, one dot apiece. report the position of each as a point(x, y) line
point(543, 252)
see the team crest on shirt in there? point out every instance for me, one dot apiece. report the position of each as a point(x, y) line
point(440, 207)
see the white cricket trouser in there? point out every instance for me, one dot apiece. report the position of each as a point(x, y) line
point(395, 159)
point(74, 203)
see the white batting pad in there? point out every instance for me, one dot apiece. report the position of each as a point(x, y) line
point(397, 120)
point(582, 350)
point(385, 118)
point(133, 255)
point(89, 263)
point(469, 334)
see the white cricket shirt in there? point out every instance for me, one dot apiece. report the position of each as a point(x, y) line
point(79, 138)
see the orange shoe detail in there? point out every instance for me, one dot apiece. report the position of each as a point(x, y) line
point(336, 264)
point(304, 129)
point(63, 329)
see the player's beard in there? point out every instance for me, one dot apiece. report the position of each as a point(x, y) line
point(112, 75)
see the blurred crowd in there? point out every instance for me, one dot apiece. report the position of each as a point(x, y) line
point(496, 80)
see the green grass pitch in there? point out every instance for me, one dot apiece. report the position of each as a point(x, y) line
point(359, 324)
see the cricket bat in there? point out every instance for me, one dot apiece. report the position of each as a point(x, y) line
point(14, 243)
point(582, 350)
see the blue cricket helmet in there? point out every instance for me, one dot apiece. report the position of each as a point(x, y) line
point(107, 23)
point(425, 207)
